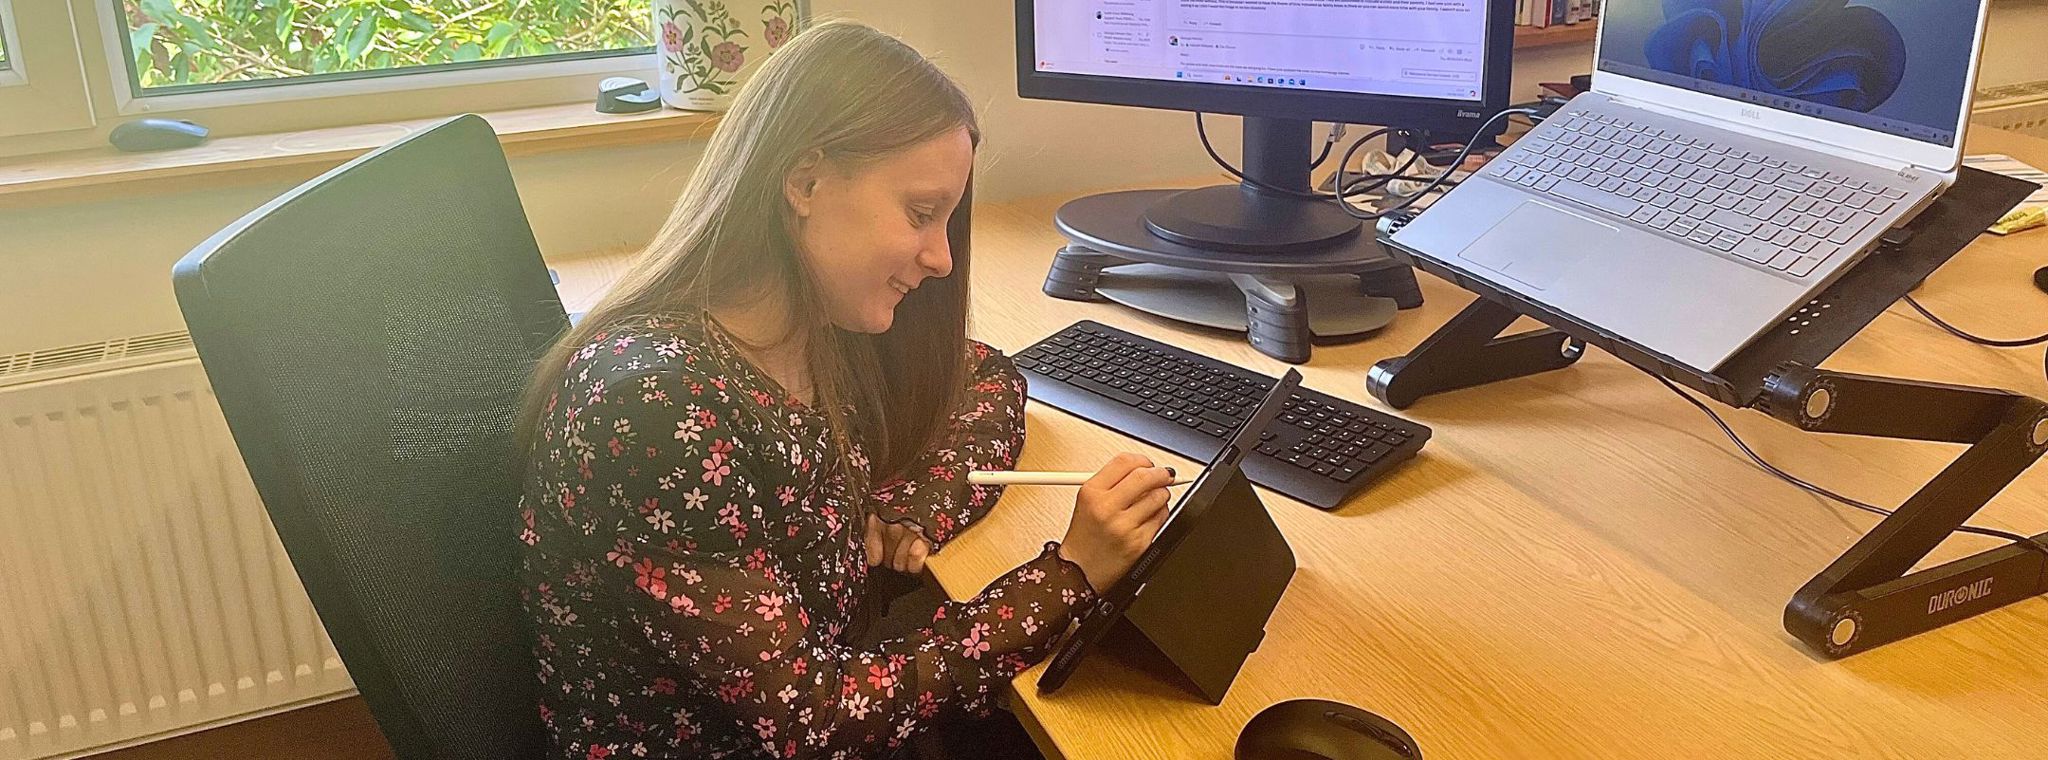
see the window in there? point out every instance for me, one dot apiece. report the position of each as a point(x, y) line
point(42, 85)
point(173, 46)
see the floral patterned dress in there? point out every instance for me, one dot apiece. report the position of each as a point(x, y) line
point(694, 562)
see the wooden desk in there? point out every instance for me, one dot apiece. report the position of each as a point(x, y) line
point(1578, 565)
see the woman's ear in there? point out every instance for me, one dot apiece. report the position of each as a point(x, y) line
point(802, 183)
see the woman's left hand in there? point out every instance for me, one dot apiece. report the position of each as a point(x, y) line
point(901, 547)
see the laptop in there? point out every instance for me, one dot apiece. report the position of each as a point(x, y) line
point(1732, 160)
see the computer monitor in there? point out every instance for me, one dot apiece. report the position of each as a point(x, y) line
point(1440, 66)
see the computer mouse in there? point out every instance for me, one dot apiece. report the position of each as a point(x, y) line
point(156, 134)
point(1318, 729)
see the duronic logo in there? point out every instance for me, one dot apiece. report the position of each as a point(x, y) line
point(1970, 593)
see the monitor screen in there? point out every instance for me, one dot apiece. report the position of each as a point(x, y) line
point(1409, 48)
point(1900, 67)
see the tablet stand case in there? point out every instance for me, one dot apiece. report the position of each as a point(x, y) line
point(1206, 608)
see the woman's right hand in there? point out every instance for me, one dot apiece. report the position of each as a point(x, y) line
point(1116, 515)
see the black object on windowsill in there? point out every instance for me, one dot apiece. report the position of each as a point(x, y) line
point(626, 95)
point(144, 135)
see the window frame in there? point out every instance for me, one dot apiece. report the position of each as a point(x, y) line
point(44, 89)
point(96, 71)
point(129, 99)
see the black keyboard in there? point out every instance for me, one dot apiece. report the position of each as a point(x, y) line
point(1321, 449)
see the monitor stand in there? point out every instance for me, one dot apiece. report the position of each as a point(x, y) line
point(1273, 250)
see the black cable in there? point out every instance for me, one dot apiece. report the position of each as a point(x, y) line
point(1814, 489)
point(1203, 131)
point(1982, 341)
point(1328, 143)
point(1457, 162)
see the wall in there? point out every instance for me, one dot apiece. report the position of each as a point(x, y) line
point(90, 271)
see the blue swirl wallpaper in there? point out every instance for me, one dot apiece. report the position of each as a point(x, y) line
point(1899, 66)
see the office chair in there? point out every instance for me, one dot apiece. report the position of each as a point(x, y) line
point(368, 335)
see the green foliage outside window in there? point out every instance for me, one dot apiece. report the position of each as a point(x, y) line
point(198, 42)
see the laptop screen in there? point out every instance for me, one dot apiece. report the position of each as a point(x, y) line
point(1900, 67)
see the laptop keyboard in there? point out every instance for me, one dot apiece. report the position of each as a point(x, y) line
point(1773, 213)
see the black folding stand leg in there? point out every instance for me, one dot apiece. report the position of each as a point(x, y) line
point(1866, 598)
point(1469, 351)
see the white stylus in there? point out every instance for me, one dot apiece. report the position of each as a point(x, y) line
point(1024, 478)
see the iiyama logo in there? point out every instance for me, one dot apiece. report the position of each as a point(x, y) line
point(1951, 598)
point(1752, 113)
point(1468, 114)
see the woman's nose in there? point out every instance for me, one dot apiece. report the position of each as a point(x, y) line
point(937, 258)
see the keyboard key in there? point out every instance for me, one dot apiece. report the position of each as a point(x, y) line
point(1726, 241)
point(1795, 183)
point(1608, 203)
point(1749, 170)
point(1805, 243)
point(1823, 229)
point(1851, 228)
point(1805, 266)
point(1683, 205)
point(1893, 193)
point(1663, 220)
point(1720, 181)
point(1756, 250)
point(1801, 204)
point(1804, 223)
point(1703, 234)
point(1735, 221)
point(1784, 237)
point(1683, 227)
point(1840, 194)
point(1748, 206)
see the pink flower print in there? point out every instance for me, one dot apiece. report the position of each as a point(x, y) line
point(598, 752)
point(671, 37)
point(927, 705)
point(1006, 612)
point(721, 604)
point(1030, 626)
point(975, 645)
point(664, 685)
point(662, 520)
point(621, 554)
point(884, 681)
point(858, 705)
point(770, 606)
point(695, 499)
point(776, 31)
point(682, 604)
point(786, 495)
point(728, 56)
point(715, 470)
point(787, 695)
point(799, 666)
point(765, 726)
point(650, 579)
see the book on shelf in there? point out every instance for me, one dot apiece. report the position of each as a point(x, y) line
point(1542, 14)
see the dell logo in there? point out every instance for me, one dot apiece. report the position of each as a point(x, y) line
point(1752, 113)
point(1970, 593)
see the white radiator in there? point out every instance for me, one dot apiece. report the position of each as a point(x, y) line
point(2021, 108)
point(143, 592)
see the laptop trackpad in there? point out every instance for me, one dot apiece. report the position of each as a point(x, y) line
point(1536, 243)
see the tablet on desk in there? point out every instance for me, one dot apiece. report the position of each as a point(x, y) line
point(1109, 607)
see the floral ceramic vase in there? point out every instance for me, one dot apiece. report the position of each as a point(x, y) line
point(708, 47)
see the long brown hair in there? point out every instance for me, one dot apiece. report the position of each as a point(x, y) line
point(850, 94)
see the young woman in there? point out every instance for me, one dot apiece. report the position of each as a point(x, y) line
point(779, 396)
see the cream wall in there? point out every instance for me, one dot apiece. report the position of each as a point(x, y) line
point(85, 272)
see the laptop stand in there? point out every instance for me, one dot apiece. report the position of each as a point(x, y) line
point(1206, 608)
point(1867, 597)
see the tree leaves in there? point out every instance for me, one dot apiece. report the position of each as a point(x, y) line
point(210, 41)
